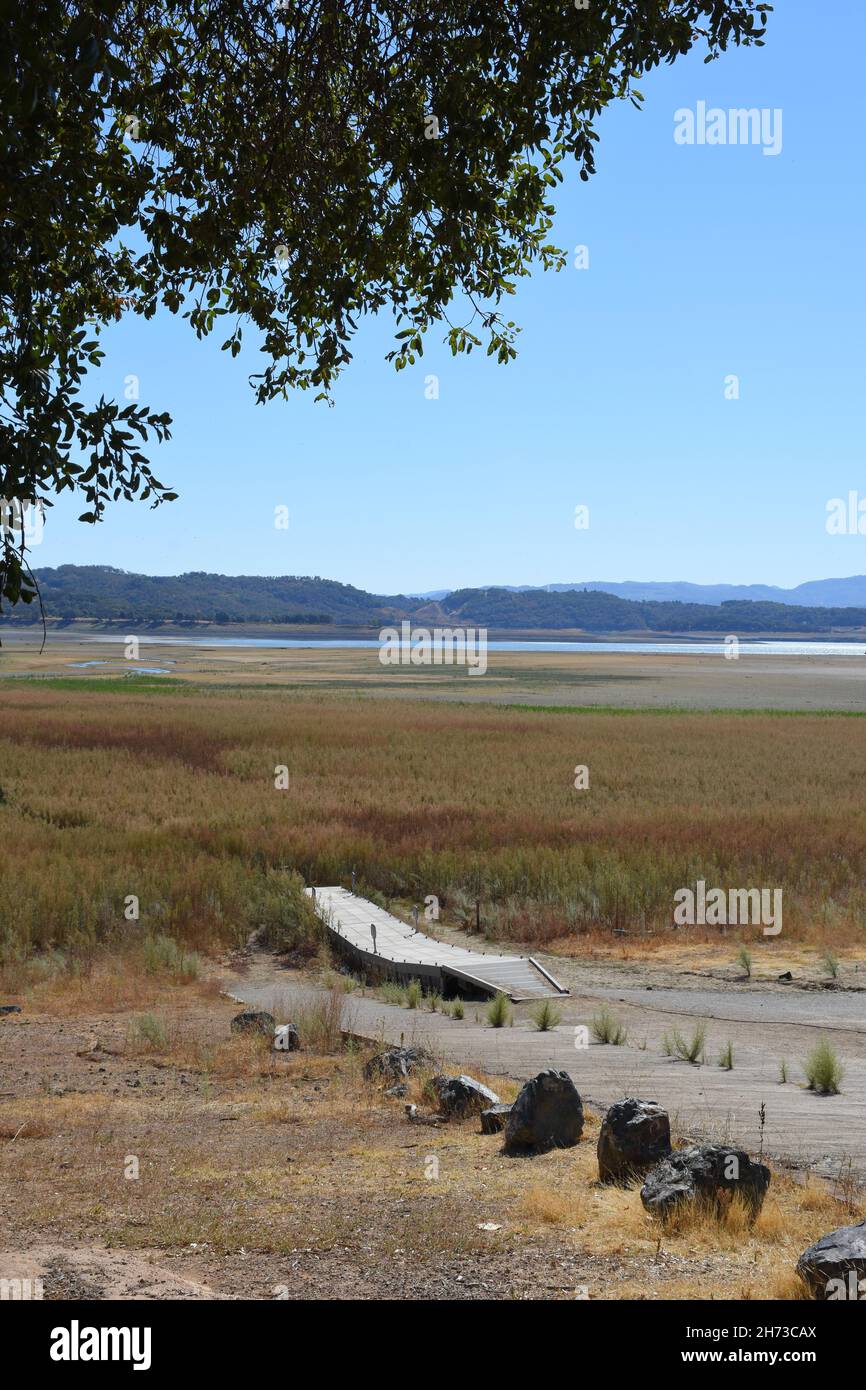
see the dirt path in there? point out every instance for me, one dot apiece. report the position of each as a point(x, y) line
point(765, 1026)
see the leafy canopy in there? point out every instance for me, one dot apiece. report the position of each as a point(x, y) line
point(290, 166)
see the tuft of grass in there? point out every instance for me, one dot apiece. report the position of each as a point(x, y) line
point(830, 962)
point(413, 994)
point(162, 955)
point(744, 960)
point(393, 993)
point(823, 1069)
point(783, 1072)
point(457, 1009)
point(726, 1057)
point(321, 1022)
point(545, 1016)
point(498, 1010)
point(434, 1002)
point(606, 1028)
point(151, 1030)
point(692, 1049)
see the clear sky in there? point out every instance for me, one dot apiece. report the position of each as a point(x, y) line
point(705, 261)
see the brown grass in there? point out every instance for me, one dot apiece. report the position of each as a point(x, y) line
point(170, 796)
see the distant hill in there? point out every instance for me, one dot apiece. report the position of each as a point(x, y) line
point(100, 593)
point(821, 593)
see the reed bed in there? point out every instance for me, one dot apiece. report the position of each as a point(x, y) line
point(168, 797)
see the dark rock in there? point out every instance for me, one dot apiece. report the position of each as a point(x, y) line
point(548, 1114)
point(704, 1172)
point(10, 1008)
point(398, 1091)
point(252, 1022)
point(287, 1038)
point(493, 1118)
point(786, 975)
point(457, 1096)
point(835, 1265)
point(635, 1135)
point(395, 1063)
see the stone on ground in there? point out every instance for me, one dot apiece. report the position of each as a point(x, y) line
point(635, 1135)
point(833, 1267)
point(457, 1096)
point(704, 1172)
point(395, 1063)
point(548, 1114)
point(253, 1022)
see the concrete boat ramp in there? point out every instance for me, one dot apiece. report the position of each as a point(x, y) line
point(379, 943)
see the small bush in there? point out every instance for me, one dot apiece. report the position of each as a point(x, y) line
point(606, 1028)
point(726, 1057)
point(498, 1011)
point(823, 1069)
point(545, 1016)
point(457, 1009)
point(151, 1030)
point(413, 994)
point(689, 1049)
point(830, 962)
point(744, 960)
point(163, 955)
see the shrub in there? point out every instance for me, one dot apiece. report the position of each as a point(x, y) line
point(823, 1069)
point(744, 960)
point(545, 1016)
point(498, 1011)
point(413, 994)
point(457, 1009)
point(162, 954)
point(606, 1028)
point(830, 962)
point(689, 1049)
point(151, 1030)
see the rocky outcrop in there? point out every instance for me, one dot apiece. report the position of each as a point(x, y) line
point(548, 1114)
point(835, 1265)
point(707, 1173)
point(635, 1136)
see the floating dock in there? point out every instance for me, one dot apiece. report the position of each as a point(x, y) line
point(395, 949)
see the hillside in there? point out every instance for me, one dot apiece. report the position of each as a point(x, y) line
point(99, 593)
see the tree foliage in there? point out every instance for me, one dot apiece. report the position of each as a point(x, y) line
point(287, 166)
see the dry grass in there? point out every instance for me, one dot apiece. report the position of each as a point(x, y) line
point(258, 1168)
point(169, 796)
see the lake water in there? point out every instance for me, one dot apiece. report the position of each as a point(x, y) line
point(670, 648)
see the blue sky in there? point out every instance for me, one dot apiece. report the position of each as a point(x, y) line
point(704, 261)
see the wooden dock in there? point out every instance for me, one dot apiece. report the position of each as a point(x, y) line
point(395, 949)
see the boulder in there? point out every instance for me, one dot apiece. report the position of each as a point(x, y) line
point(548, 1114)
point(461, 1095)
point(635, 1135)
point(287, 1038)
point(395, 1063)
point(493, 1118)
point(704, 1172)
point(252, 1022)
point(835, 1265)
point(10, 1008)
